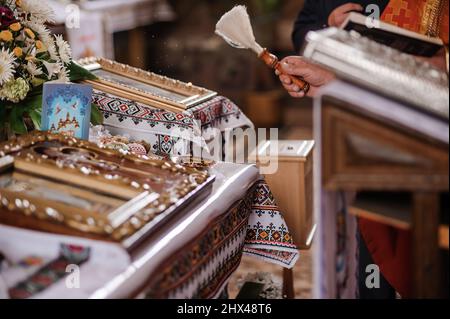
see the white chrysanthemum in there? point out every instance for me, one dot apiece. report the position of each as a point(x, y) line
point(65, 53)
point(38, 9)
point(51, 49)
point(52, 68)
point(45, 36)
point(63, 75)
point(6, 66)
point(33, 69)
point(5, 54)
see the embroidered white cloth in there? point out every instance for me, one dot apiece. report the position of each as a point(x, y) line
point(268, 237)
point(174, 134)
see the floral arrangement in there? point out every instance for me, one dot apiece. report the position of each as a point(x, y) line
point(30, 56)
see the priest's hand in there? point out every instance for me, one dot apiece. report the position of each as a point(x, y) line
point(340, 14)
point(311, 73)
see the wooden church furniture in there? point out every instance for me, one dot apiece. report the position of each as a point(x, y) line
point(370, 145)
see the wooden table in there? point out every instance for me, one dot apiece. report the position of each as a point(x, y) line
point(371, 144)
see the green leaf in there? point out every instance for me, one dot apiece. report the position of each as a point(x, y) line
point(96, 115)
point(43, 56)
point(79, 73)
point(36, 91)
point(36, 117)
point(16, 120)
point(37, 82)
point(3, 116)
point(33, 101)
point(32, 106)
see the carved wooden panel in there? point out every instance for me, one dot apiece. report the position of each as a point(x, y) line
point(366, 154)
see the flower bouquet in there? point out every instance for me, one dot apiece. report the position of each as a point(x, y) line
point(30, 56)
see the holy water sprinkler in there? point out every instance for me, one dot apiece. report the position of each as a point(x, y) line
point(235, 28)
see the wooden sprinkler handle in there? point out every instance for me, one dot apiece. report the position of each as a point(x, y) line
point(273, 62)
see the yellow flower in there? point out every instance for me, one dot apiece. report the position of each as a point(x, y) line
point(6, 36)
point(15, 26)
point(18, 3)
point(40, 46)
point(18, 52)
point(29, 33)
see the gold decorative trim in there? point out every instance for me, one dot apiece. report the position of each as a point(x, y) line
point(432, 18)
point(139, 211)
point(194, 94)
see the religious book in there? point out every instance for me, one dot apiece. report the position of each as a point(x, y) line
point(59, 184)
point(380, 68)
point(393, 36)
point(66, 107)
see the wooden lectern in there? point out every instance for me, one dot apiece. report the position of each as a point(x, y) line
point(395, 158)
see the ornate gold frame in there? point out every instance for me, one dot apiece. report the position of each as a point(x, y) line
point(121, 224)
point(194, 94)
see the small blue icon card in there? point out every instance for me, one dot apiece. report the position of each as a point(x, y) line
point(67, 108)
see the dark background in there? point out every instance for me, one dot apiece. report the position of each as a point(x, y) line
point(188, 49)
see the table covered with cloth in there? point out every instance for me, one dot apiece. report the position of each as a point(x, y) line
point(172, 134)
point(193, 257)
point(168, 133)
